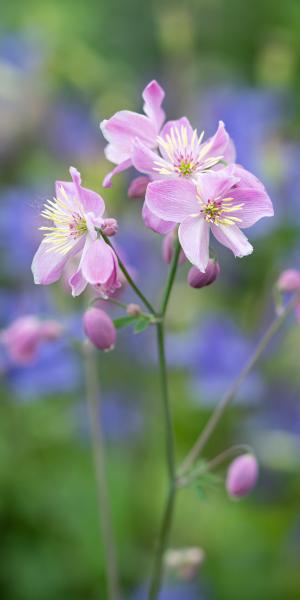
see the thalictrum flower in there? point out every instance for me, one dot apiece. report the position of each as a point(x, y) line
point(218, 201)
point(125, 126)
point(24, 336)
point(76, 216)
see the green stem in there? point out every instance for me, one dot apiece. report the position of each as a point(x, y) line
point(133, 285)
point(231, 393)
point(98, 444)
point(171, 278)
point(170, 500)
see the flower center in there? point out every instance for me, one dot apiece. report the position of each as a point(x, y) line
point(69, 222)
point(184, 153)
point(218, 211)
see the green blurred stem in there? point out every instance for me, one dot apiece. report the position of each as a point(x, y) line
point(231, 393)
point(98, 446)
point(132, 284)
point(170, 500)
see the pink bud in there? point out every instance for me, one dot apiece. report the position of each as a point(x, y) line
point(242, 476)
point(99, 328)
point(289, 281)
point(168, 249)
point(134, 310)
point(109, 227)
point(197, 279)
point(138, 186)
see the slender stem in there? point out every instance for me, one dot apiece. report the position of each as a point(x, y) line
point(98, 444)
point(171, 278)
point(162, 545)
point(230, 394)
point(133, 285)
point(170, 500)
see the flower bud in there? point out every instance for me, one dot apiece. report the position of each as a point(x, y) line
point(138, 186)
point(197, 279)
point(168, 249)
point(186, 561)
point(242, 476)
point(289, 281)
point(99, 328)
point(134, 310)
point(109, 227)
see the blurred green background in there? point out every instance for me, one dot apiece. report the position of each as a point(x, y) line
point(64, 66)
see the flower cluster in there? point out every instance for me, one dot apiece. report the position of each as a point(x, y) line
point(191, 186)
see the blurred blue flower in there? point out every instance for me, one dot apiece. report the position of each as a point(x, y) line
point(214, 353)
point(179, 591)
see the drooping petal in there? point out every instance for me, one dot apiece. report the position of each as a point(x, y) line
point(220, 144)
point(121, 129)
point(153, 95)
point(233, 238)
point(155, 223)
point(173, 199)
point(138, 186)
point(215, 184)
point(77, 283)
point(193, 235)
point(256, 204)
point(97, 261)
point(144, 159)
point(47, 265)
point(107, 181)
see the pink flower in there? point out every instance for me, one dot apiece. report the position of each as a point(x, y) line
point(218, 201)
point(123, 127)
point(99, 328)
point(76, 215)
point(24, 336)
point(182, 153)
point(242, 475)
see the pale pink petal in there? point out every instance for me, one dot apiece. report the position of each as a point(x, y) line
point(220, 144)
point(215, 184)
point(77, 283)
point(256, 204)
point(115, 154)
point(155, 223)
point(138, 186)
point(153, 95)
point(172, 199)
point(247, 179)
point(121, 129)
point(234, 239)
point(107, 181)
point(144, 159)
point(193, 235)
point(90, 200)
point(97, 261)
point(47, 265)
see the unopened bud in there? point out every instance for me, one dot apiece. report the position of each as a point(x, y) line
point(185, 561)
point(197, 279)
point(109, 227)
point(168, 249)
point(138, 186)
point(99, 328)
point(242, 476)
point(134, 310)
point(289, 281)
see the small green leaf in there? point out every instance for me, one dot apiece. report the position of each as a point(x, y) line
point(141, 324)
point(121, 322)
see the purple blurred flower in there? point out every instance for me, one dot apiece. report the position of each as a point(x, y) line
point(179, 591)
